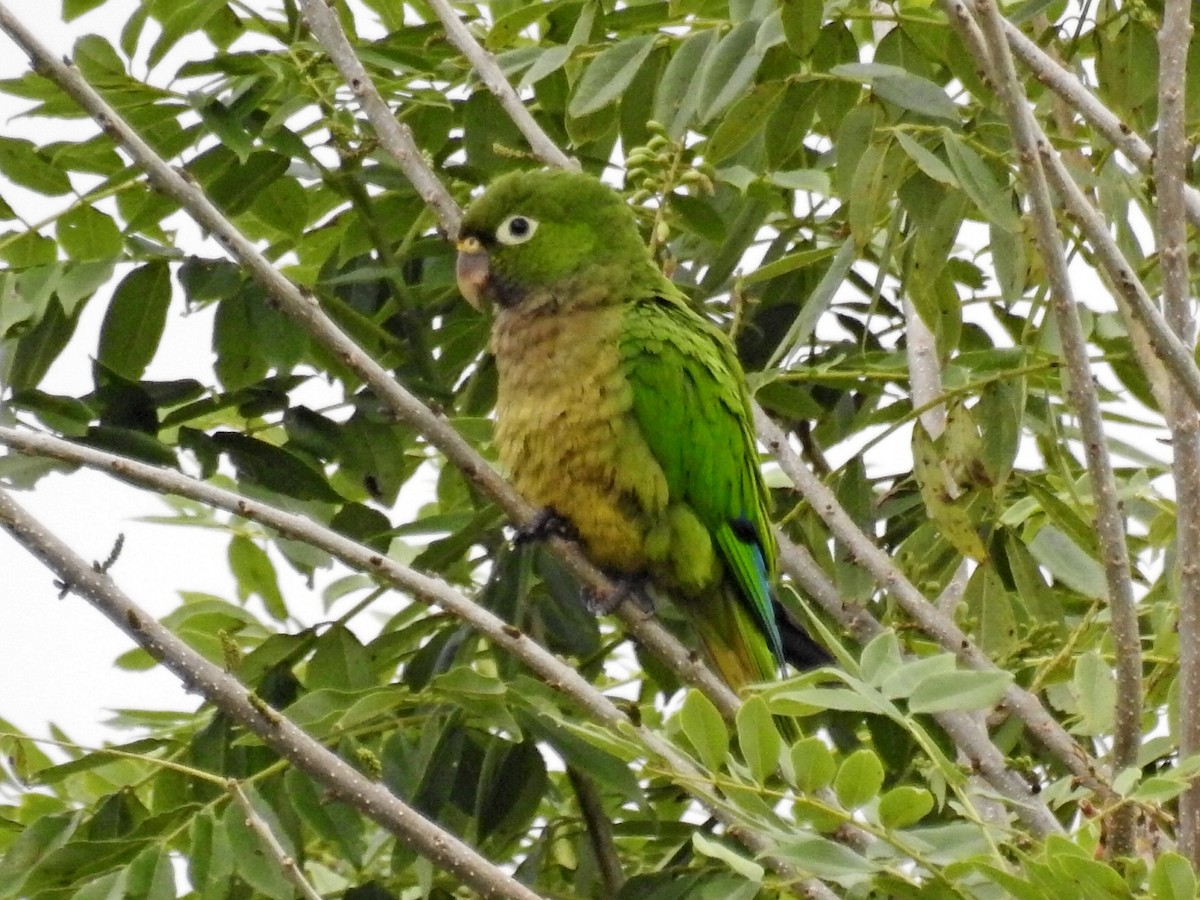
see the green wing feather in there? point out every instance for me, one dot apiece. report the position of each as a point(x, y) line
point(691, 403)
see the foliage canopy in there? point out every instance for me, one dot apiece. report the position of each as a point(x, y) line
point(825, 180)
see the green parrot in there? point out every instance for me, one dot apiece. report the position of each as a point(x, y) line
point(625, 412)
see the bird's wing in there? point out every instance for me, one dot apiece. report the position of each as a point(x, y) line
point(691, 403)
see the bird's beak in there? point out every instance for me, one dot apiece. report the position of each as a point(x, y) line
point(472, 271)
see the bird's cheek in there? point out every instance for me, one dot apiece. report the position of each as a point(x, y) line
point(472, 274)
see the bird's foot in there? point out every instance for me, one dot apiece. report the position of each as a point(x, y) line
point(624, 587)
point(548, 523)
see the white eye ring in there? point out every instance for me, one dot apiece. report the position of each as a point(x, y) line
point(516, 230)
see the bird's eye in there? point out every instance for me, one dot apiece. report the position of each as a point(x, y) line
point(516, 230)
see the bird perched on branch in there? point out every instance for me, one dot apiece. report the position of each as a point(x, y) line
point(625, 412)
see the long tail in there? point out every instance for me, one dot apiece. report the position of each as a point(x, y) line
point(740, 652)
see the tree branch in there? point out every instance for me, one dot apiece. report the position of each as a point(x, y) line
point(1170, 170)
point(1082, 393)
point(223, 690)
point(486, 68)
point(303, 308)
point(545, 664)
point(395, 136)
point(1073, 91)
point(286, 862)
point(927, 616)
point(599, 831)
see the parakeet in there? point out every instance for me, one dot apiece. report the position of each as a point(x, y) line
point(626, 412)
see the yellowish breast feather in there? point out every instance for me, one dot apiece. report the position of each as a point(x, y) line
point(566, 433)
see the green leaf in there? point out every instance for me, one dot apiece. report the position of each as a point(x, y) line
point(813, 764)
point(134, 323)
point(678, 96)
point(31, 848)
point(274, 468)
point(1172, 878)
point(1095, 688)
point(926, 160)
point(947, 691)
point(904, 806)
point(824, 858)
point(23, 164)
point(252, 860)
point(73, 9)
point(1068, 562)
point(973, 174)
point(335, 822)
point(85, 233)
point(917, 94)
point(609, 75)
point(151, 875)
point(339, 662)
point(729, 70)
point(859, 778)
point(705, 729)
point(255, 574)
point(801, 259)
point(802, 25)
point(743, 121)
point(758, 738)
point(715, 850)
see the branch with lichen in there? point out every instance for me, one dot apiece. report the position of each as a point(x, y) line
point(1171, 161)
point(1085, 401)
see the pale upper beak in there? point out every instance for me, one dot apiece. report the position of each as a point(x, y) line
point(472, 271)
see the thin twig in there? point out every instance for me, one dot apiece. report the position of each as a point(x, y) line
point(1082, 394)
point(599, 831)
point(394, 135)
point(303, 308)
point(224, 691)
point(1170, 169)
point(286, 862)
point(1027, 707)
point(488, 70)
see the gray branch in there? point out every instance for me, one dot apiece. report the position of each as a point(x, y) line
point(1076, 95)
point(486, 68)
point(1170, 170)
point(286, 862)
point(1083, 397)
point(223, 690)
point(395, 136)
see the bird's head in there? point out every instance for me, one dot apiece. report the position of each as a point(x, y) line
point(532, 235)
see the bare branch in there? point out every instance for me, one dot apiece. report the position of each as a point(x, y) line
point(286, 862)
point(486, 68)
point(1041, 724)
point(1170, 171)
point(1073, 91)
point(223, 690)
point(1082, 393)
point(924, 371)
point(395, 136)
point(599, 831)
point(403, 405)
